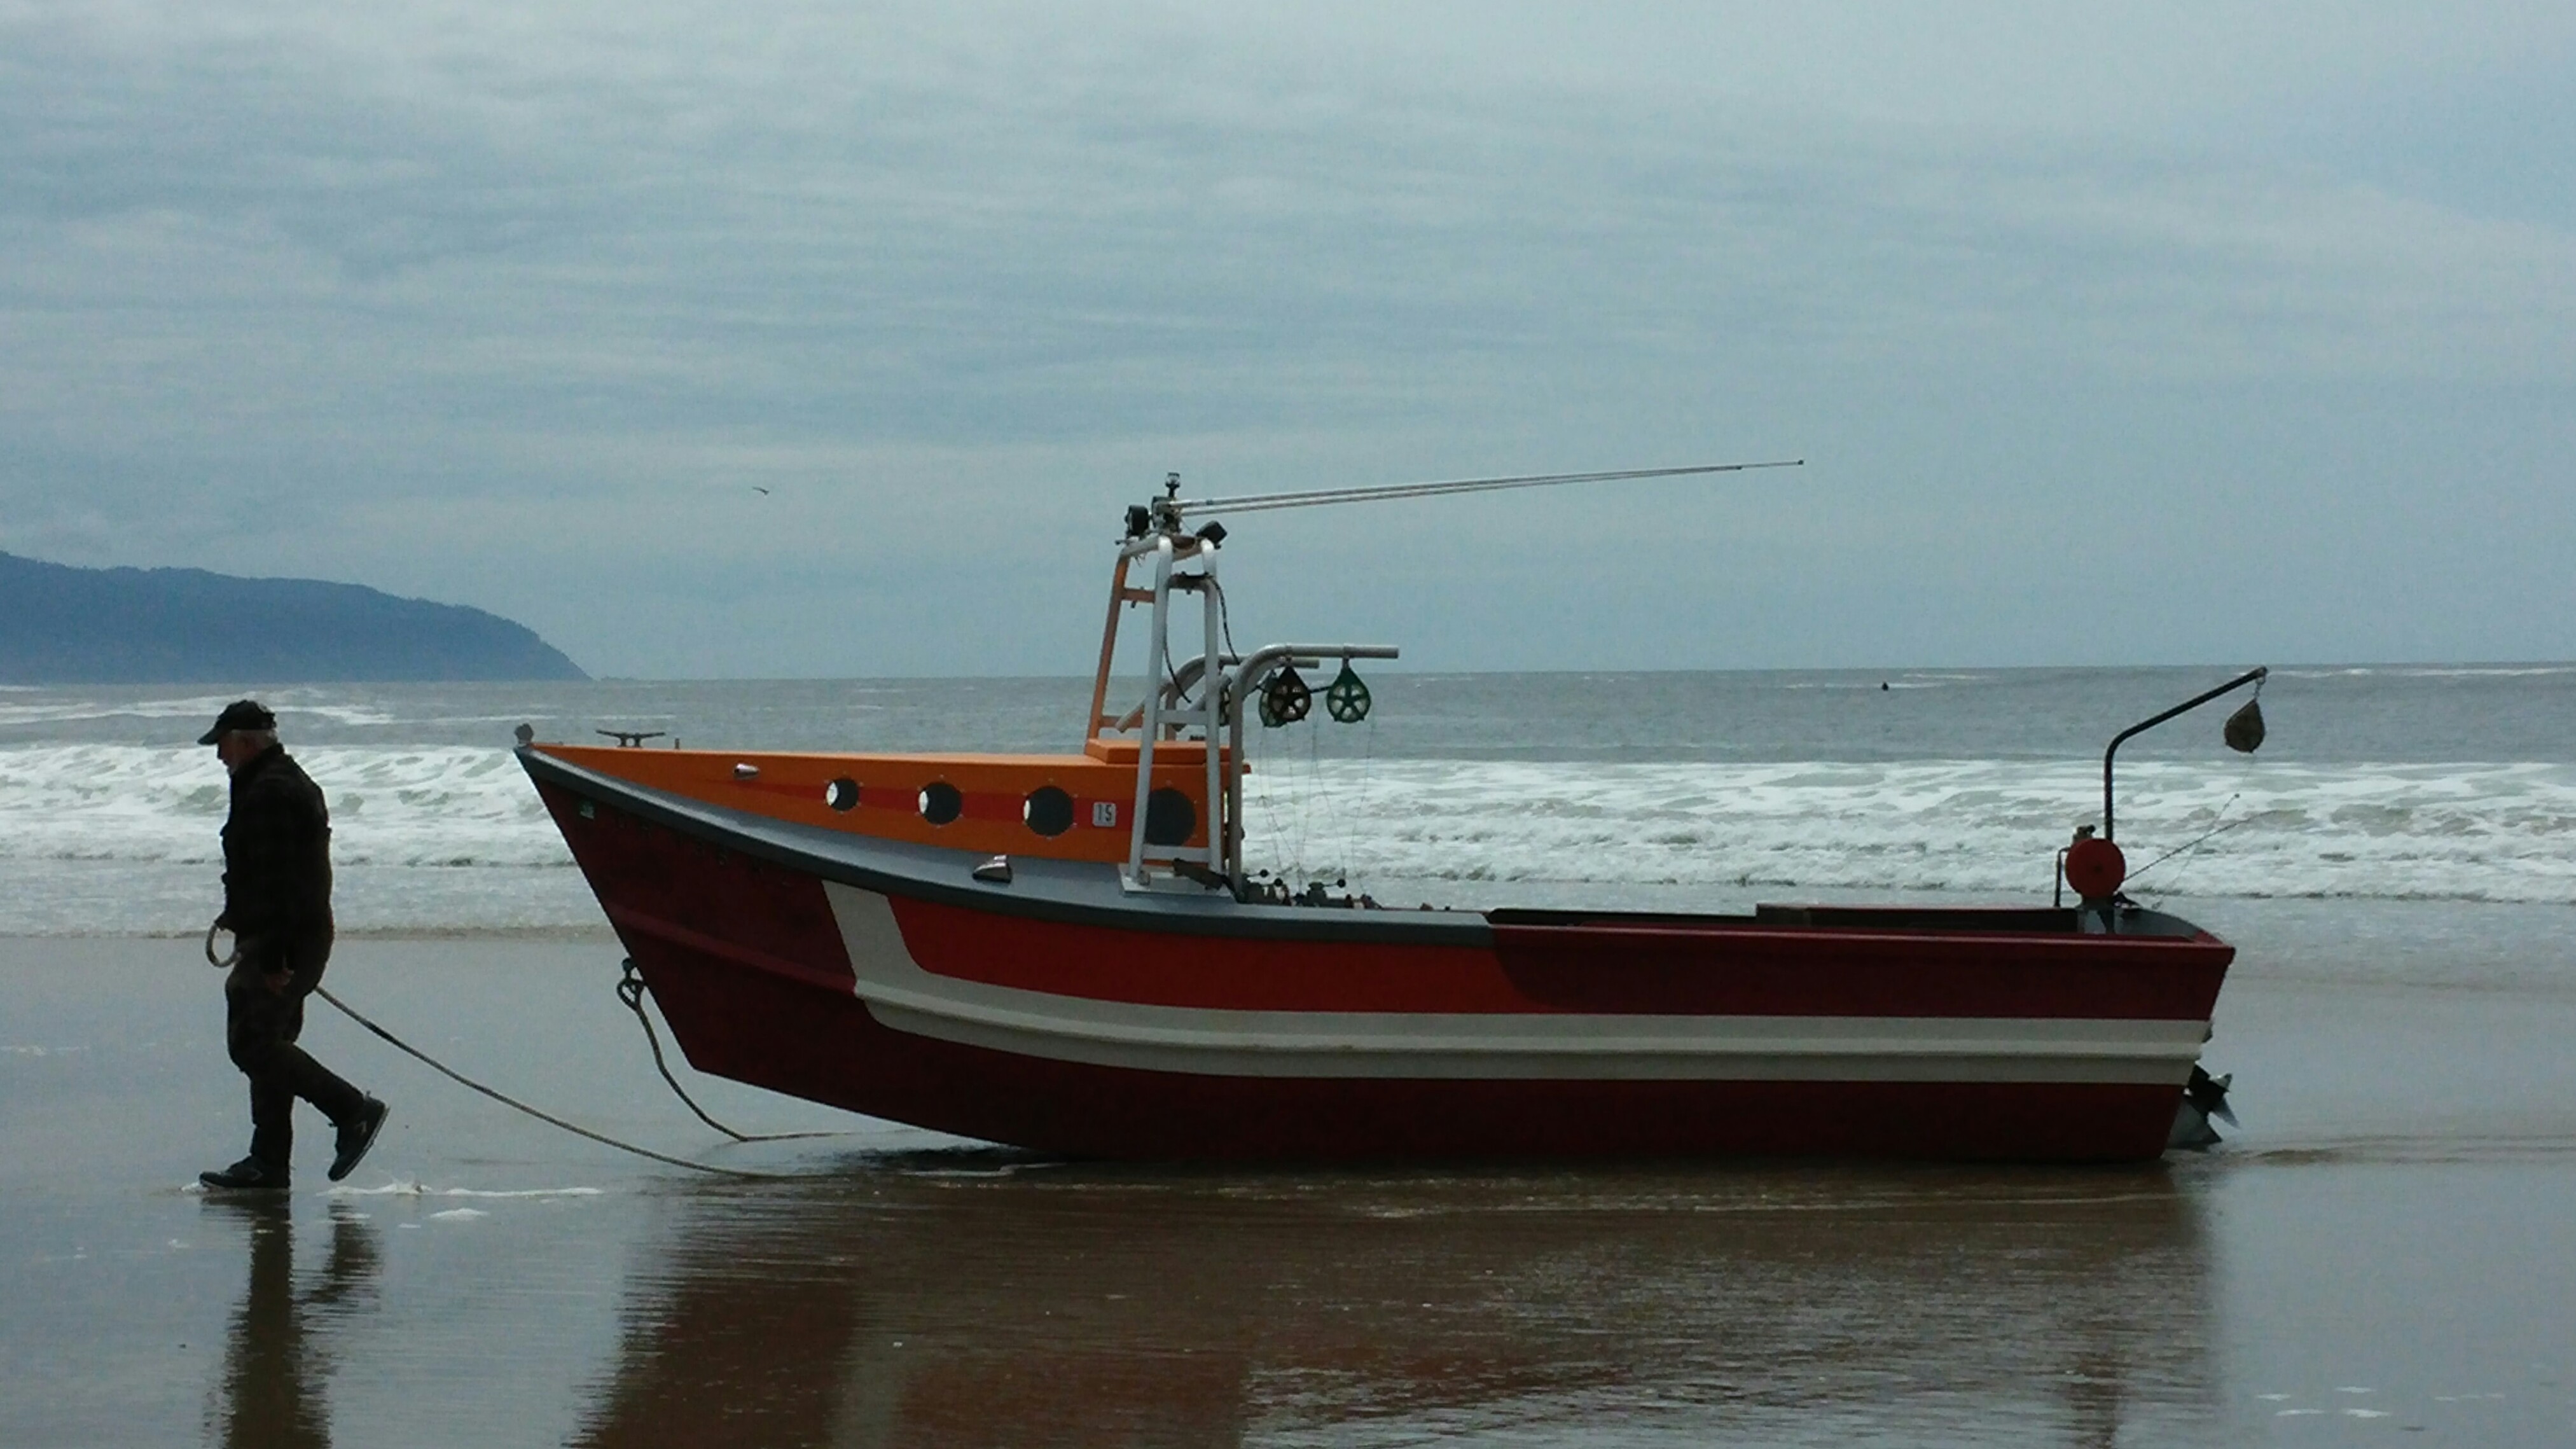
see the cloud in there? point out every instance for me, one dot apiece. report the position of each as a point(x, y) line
point(522, 301)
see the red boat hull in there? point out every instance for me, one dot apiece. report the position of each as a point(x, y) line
point(1647, 1037)
point(790, 1038)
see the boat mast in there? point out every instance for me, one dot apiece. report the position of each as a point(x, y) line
point(1156, 530)
point(1159, 855)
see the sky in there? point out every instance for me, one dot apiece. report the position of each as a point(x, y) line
point(2185, 333)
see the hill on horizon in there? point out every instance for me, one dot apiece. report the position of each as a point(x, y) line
point(62, 624)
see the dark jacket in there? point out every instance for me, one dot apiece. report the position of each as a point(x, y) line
point(277, 850)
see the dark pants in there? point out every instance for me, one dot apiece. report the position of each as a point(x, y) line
point(261, 1024)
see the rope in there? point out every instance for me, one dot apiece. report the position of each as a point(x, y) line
point(1224, 616)
point(630, 989)
point(506, 1100)
point(1367, 792)
point(2203, 839)
point(635, 1002)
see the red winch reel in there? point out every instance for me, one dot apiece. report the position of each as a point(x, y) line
point(2095, 867)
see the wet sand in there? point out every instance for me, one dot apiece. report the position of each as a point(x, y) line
point(2385, 1249)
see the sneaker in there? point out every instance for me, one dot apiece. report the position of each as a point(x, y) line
point(356, 1136)
point(248, 1175)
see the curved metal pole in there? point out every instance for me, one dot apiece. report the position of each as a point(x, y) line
point(1173, 688)
point(2186, 707)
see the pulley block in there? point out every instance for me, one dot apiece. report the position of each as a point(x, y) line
point(1285, 699)
point(1346, 699)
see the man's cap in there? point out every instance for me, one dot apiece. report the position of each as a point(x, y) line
point(241, 714)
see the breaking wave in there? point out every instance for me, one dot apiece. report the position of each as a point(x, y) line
point(122, 839)
point(116, 838)
point(433, 806)
point(2475, 832)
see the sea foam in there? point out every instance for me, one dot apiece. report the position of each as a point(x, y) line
point(124, 838)
point(2497, 832)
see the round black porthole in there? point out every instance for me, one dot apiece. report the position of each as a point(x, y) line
point(842, 794)
point(1048, 810)
point(940, 802)
point(1169, 817)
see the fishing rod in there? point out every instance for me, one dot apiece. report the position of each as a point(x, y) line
point(1169, 509)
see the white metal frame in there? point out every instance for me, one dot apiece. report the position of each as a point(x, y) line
point(1166, 714)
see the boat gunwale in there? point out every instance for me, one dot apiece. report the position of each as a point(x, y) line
point(1090, 893)
point(902, 868)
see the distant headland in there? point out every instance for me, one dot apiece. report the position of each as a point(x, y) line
point(65, 625)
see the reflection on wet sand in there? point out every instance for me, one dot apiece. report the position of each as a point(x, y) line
point(278, 1354)
point(972, 1301)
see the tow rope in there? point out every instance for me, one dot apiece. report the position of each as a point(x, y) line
point(506, 1100)
point(630, 989)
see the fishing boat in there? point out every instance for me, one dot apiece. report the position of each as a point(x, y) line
point(1066, 952)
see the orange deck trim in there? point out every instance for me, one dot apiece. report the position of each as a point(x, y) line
point(993, 792)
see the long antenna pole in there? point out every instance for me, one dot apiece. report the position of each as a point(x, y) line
point(1259, 502)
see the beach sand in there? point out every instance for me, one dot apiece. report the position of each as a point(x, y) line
point(2387, 1247)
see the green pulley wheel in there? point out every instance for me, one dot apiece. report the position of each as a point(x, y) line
point(1346, 699)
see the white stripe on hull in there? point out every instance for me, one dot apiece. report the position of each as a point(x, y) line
point(1494, 1045)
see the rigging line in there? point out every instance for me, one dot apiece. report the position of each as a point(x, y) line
point(1344, 807)
point(2203, 839)
point(1368, 781)
point(1225, 630)
point(1307, 790)
point(1337, 818)
point(631, 989)
point(1275, 831)
point(1261, 502)
point(506, 1100)
point(1224, 616)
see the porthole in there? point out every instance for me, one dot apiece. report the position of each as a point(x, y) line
point(1048, 810)
point(1169, 817)
point(842, 794)
point(940, 802)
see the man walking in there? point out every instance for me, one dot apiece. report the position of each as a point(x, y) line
point(277, 904)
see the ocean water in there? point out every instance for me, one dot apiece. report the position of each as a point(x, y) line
point(1712, 790)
